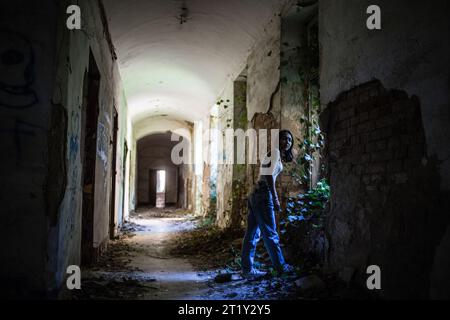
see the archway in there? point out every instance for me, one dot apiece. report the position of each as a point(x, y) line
point(154, 157)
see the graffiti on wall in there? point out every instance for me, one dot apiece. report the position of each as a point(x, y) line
point(16, 72)
point(74, 184)
point(17, 94)
point(20, 131)
point(74, 140)
point(103, 144)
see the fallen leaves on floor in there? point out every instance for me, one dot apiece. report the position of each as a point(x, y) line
point(209, 247)
point(217, 252)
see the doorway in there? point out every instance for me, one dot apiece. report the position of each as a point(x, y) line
point(124, 171)
point(157, 188)
point(89, 124)
point(153, 155)
point(112, 207)
point(160, 188)
point(152, 180)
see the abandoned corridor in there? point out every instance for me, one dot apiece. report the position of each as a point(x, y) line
point(129, 115)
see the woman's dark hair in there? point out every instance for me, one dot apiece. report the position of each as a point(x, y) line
point(287, 155)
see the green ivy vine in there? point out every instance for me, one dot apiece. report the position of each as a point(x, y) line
point(312, 139)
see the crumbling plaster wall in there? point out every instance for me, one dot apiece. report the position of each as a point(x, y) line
point(207, 174)
point(408, 54)
point(280, 56)
point(122, 161)
point(132, 188)
point(273, 100)
point(263, 72)
point(225, 166)
point(295, 75)
point(263, 89)
point(239, 184)
point(72, 63)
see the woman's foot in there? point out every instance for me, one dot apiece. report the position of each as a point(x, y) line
point(287, 269)
point(253, 274)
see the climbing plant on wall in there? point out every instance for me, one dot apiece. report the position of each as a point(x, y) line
point(312, 139)
point(303, 222)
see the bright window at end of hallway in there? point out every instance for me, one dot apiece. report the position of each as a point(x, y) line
point(161, 181)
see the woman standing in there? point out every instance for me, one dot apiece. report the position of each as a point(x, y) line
point(262, 204)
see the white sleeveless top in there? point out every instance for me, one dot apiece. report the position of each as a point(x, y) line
point(276, 166)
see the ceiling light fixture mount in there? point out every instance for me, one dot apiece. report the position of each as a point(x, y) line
point(183, 17)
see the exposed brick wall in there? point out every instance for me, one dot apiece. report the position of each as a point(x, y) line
point(377, 135)
point(386, 206)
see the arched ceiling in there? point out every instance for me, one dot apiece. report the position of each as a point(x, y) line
point(178, 70)
point(152, 125)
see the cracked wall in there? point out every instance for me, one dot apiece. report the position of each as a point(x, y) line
point(386, 207)
point(273, 101)
point(396, 214)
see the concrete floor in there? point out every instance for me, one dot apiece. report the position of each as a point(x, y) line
point(140, 267)
point(175, 277)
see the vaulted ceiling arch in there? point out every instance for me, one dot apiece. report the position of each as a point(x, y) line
point(176, 69)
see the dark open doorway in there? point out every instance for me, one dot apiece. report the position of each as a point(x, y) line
point(124, 171)
point(154, 160)
point(152, 188)
point(89, 124)
point(112, 208)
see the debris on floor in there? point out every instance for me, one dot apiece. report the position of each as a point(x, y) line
point(117, 256)
point(107, 286)
point(217, 250)
point(146, 213)
point(217, 253)
point(209, 247)
point(111, 277)
point(212, 266)
point(129, 228)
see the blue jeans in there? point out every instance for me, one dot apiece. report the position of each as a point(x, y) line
point(261, 221)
